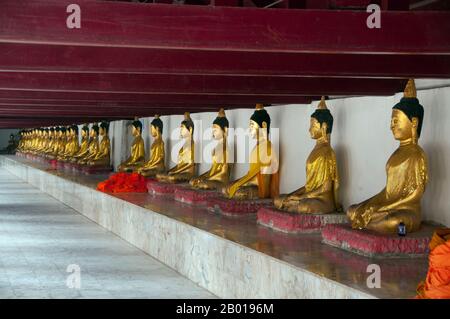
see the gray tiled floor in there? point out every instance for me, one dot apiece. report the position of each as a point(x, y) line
point(40, 237)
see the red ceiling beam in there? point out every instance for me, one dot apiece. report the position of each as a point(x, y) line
point(116, 98)
point(196, 84)
point(224, 28)
point(85, 59)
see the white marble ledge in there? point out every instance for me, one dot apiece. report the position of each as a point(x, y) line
point(225, 268)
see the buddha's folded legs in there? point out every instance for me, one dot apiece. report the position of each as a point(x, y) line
point(387, 222)
point(175, 178)
point(247, 193)
point(206, 184)
point(309, 206)
point(362, 217)
point(152, 172)
point(129, 168)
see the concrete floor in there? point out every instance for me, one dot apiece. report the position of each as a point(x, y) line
point(40, 237)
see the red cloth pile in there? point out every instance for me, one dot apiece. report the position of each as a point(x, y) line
point(124, 183)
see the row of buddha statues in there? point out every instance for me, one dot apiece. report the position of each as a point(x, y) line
point(62, 144)
point(398, 202)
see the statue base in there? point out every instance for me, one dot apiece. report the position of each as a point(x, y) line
point(161, 189)
point(60, 165)
point(236, 208)
point(194, 196)
point(90, 170)
point(295, 223)
point(53, 163)
point(372, 244)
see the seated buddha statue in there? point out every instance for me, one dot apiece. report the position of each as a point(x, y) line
point(261, 180)
point(102, 157)
point(60, 143)
point(137, 155)
point(65, 143)
point(319, 195)
point(406, 170)
point(36, 141)
point(156, 162)
point(72, 145)
point(84, 146)
point(49, 145)
point(43, 141)
point(184, 170)
point(217, 176)
point(92, 150)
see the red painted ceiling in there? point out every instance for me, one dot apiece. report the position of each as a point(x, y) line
point(131, 59)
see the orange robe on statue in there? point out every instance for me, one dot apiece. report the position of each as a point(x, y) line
point(437, 283)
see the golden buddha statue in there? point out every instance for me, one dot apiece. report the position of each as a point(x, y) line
point(51, 141)
point(102, 157)
point(219, 173)
point(185, 168)
point(93, 146)
point(59, 145)
point(72, 145)
point(261, 180)
point(320, 193)
point(156, 162)
point(406, 170)
point(64, 142)
point(35, 141)
point(137, 156)
point(21, 143)
point(84, 146)
point(42, 141)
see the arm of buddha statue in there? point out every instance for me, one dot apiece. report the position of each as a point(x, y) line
point(156, 158)
point(412, 197)
point(253, 171)
point(221, 175)
point(137, 155)
point(102, 154)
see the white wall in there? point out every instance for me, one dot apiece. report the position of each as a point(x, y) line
point(361, 138)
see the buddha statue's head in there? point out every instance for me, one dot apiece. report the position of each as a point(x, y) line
point(136, 127)
point(94, 130)
point(156, 126)
point(220, 126)
point(407, 116)
point(321, 122)
point(104, 127)
point(45, 132)
point(62, 132)
point(52, 132)
point(84, 131)
point(187, 126)
point(259, 123)
point(74, 130)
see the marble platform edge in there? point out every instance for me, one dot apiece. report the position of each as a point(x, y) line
point(206, 259)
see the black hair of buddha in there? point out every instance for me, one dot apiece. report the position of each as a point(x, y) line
point(85, 128)
point(222, 122)
point(324, 116)
point(105, 126)
point(156, 122)
point(188, 124)
point(411, 107)
point(95, 128)
point(137, 124)
point(260, 116)
point(75, 128)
